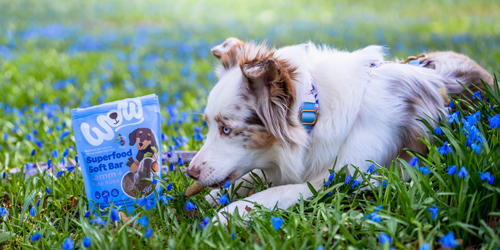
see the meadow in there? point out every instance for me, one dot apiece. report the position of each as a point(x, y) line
point(59, 55)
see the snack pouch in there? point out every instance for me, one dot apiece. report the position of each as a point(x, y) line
point(118, 146)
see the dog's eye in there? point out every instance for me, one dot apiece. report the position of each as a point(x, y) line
point(226, 130)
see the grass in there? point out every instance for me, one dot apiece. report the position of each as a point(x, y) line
point(58, 55)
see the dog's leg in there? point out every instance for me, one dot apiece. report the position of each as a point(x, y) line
point(248, 183)
point(281, 196)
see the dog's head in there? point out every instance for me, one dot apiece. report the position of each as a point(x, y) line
point(144, 137)
point(248, 113)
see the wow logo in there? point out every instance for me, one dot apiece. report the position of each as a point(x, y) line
point(113, 120)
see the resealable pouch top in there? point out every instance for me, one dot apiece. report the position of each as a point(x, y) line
point(119, 151)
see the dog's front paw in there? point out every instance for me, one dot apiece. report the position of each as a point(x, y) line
point(224, 214)
point(213, 197)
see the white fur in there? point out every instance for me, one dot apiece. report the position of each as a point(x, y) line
point(359, 116)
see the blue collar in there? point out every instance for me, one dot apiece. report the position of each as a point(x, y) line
point(308, 113)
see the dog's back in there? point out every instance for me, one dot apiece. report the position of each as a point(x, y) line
point(461, 68)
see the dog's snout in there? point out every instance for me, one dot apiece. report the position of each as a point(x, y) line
point(193, 172)
point(140, 144)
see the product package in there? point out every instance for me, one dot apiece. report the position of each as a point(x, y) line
point(119, 151)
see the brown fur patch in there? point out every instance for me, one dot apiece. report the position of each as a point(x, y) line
point(260, 138)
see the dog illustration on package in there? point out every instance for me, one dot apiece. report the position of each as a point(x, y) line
point(145, 162)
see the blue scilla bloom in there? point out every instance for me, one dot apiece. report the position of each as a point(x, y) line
point(434, 210)
point(35, 131)
point(87, 214)
point(164, 137)
point(4, 211)
point(355, 183)
point(60, 173)
point(148, 233)
point(58, 127)
point(190, 206)
point(29, 137)
point(66, 152)
point(462, 173)
point(38, 143)
point(478, 95)
point(55, 153)
point(454, 117)
point(494, 121)
point(328, 183)
point(36, 236)
point(5, 136)
point(277, 222)
point(142, 201)
point(371, 169)
point(114, 215)
point(488, 177)
point(172, 168)
point(180, 162)
point(68, 244)
point(384, 238)
point(64, 134)
point(425, 246)
point(165, 199)
point(374, 217)
point(476, 148)
point(438, 131)
point(33, 152)
point(98, 221)
point(32, 211)
point(197, 129)
point(448, 240)
point(452, 170)
point(47, 189)
point(348, 179)
point(413, 162)
point(143, 221)
point(169, 187)
point(445, 149)
point(49, 163)
point(224, 200)
point(86, 242)
point(330, 178)
point(150, 204)
point(424, 170)
point(227, 184)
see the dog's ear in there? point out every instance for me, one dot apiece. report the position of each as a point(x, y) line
point(132, 137)
point(227, 52)
point(270, 81)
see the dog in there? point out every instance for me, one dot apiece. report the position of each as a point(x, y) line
point(293, 112)
point(146, 141)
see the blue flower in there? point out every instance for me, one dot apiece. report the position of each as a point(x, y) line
point(425, 246)
point(413, 162)
point(434, 210)
point(190, 206)
point(384, 238)
point(49, 163)
point(384, 183)
point(150, 204)
point(438, 131)
point(445, 149)
point(180, 162)
point(64, 134)
point(169, 187)
point(38, 203)
point(70, 168)
point(206, 220)
point(374, 217)
point(494, 121)
point(87, 214)
point(114, 215)
point(143, 221)
point(68, 244)
point(328, 183)
point(148, 233)
point(355, 183)
point(227, 184)
point(60, 173)
point(454, 117)
point(172, 168)
point(488, 177)
point(66, 152)
point(223, 199)
point(3, 211)
point(448, 240)
point(330, 178)
point(142, 202)
point(164, 137)
point(348, 179)
point(462, 173)
point(424, 170)
point(478, 95)
point(98, 221)
point(55, 153)
point(32, 211)
point(277, 222)
point(371, 169)
point(165, 199)
point(476, 148)
point(48, 190)
point(33, 152)
point(452, 170)
point(232, 236)
point(36, 236)
point(86, 242)
point(377, 209)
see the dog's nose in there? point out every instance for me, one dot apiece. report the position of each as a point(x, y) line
point(140, 144)
point(193, 172)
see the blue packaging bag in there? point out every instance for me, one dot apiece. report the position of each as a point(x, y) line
point(119, 146)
